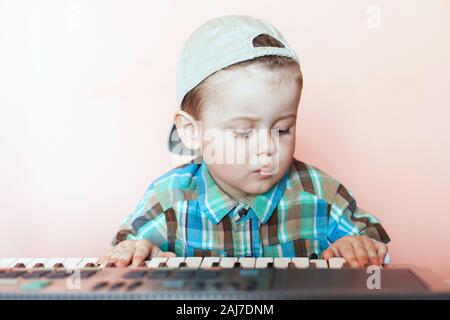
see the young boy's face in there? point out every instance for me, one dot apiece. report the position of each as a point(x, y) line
point(249, 112)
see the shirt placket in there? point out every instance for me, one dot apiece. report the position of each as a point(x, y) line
point(241, 223)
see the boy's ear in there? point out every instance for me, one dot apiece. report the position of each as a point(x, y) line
point(188, 129)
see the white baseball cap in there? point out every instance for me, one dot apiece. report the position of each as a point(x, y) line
point(217, 44)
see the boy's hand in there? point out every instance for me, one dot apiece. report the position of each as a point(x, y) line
point(358, 251)
point(134, 252)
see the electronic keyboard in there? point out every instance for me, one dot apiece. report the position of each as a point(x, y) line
point(214, 278)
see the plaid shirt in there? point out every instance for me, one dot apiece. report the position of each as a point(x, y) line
point(186, 212)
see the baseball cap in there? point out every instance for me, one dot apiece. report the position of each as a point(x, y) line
point(219, 43)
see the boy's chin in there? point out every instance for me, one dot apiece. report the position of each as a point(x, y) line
point(259, 186)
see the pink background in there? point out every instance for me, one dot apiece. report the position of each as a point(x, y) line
point(87, 93)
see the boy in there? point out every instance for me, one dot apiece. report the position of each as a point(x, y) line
point(239, 85)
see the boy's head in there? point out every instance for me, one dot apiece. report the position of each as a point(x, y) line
point(240, 112)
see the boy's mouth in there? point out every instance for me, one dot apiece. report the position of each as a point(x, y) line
point(264, 173)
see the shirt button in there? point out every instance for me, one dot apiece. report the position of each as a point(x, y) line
point(242, 212)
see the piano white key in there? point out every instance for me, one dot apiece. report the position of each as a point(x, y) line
point(21, 262)
point(53, 262)
point(227, 262)
point(262, 262)
point(281, 262)
point(154, 263)
point(208, 262)
point(89, 262)
point(37, 262)
point(336, 262)
point(72, 263)
point(301, 262)
point(247, 262)
point(174, 262)
point(193, 262)
point(319, 263)
point(7, 262)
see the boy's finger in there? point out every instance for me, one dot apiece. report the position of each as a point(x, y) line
point(348, 254)
point(361, 253)
point(125, 257)
point(154, 251)
point(141, 253)
point(115, 254)
point(371, 251)
point(382, 251)
point(328, 253)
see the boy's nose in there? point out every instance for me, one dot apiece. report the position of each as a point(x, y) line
point(267, 143)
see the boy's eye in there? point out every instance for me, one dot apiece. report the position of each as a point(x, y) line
point(281, 131)
point(242, 132)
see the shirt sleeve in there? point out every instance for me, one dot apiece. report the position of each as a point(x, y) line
point(347, 219)
point(148, 221)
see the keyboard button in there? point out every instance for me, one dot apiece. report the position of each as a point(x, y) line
point(251, 285)
point(58, 274)
point(11, 274)
point(227, 262)
point(281, 263)
point(72, 263)
point(84, 274)
point(7, 262)
point(89, 263)
point(135, 274)
point(319, 264)
point(100, 285)
point(197, 285)
point(263, 262)
point(301, 262)
point(34, 274)
point(193, 262)
point(207, 274)
point(174, 262)
point(37, 263)
point(117, 286)
point(182, 274)
point(159, 274)
point(22, 262)
point(336, 263)
point(173, 284)
point(54, 263)
point(208, 262)
point(134, 285)
point(249, 272)
point(247, 262)
point(155, 262)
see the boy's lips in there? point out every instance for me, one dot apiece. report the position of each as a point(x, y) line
point(264, 172)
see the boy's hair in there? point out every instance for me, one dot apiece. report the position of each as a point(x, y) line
point(192, 101)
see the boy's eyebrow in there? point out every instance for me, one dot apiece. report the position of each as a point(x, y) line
point(252, 119)
point(291, 115)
